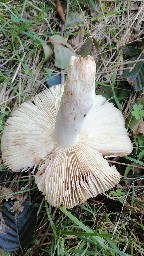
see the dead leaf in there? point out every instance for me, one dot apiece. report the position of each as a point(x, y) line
point(76, 40)
point(5, 193)
point(60, 10)
point(18, 205)
point(140, 128)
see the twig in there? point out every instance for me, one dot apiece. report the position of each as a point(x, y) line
point(17, 70)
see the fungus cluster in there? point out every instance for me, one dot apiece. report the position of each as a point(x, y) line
point(65, 132)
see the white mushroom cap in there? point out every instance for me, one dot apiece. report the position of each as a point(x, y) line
point(65, 132)
point(104, 129)
point(28, 136)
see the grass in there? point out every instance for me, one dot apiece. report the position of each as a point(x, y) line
point(110, 224)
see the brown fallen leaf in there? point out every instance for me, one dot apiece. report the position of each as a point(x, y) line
point(18, 205)
point(60, 10)
point(76, 40)
point(140, 128)
point(6, 193)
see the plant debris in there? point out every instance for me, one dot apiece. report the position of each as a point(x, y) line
point(60, 10)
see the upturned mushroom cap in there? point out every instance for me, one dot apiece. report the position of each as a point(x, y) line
point(70, 176)
point(65, 131)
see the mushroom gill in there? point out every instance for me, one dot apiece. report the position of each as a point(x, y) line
point(70, 176)
point(65, 131)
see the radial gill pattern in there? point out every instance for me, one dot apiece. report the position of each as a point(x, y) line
point(69, 177)
point(28, 134)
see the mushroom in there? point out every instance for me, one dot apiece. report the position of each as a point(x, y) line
point(65, 132)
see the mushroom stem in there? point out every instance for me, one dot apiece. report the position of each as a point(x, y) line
point(76, 101)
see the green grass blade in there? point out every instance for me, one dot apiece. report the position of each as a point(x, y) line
point(54, 229)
